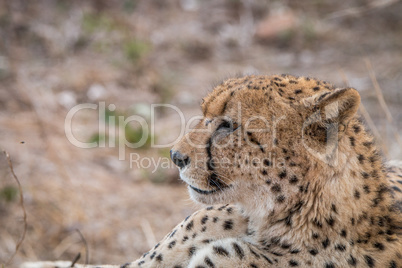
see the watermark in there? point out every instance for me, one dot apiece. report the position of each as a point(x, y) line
point(219, 132)
point(151, 163)
point(244, 162)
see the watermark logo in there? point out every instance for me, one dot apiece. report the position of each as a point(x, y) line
point(117, 131)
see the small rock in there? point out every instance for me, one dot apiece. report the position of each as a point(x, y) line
point(275, 24)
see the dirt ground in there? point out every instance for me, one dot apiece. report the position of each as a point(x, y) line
point(127, 55)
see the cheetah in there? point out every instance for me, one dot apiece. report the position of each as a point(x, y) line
point(290, 178)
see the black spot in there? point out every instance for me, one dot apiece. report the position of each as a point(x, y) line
point(159, 258)
point(294, 251)
point(268, 259)
point(396, 189)
point(204, 219)
point(366, 189)
point(190, 225)
point(276, 188)
point(313, 252)
point(280, 199)
point(343, 233)
point(264, 172)
point(330, 221)
point(356, 128)
point(365, 175)
point(317, 223)
point(369, 260)
point(267, 163)
point(282, 174)
point(157, 245)
point(215, 219)
point(298, 91)
point(316, 88)
point(228, 225)
point(220, 251)
point(293, 263)
point(293, 179)
point(191, 251)
point(352, 261)
point(229, 210)
point(209, 262)
point(239, 251)
point(171, 244)
point(340, 247)
point(367, 144)
point(275, 240)
point(333, 208)
point(352, 141)
point(152, 255)
point(356, 194)
point(392, 264)
point(254, 253)
point(379, 246)
point(185, 238)
point(326, 243)
point(223, 207)
point(329, 265)
point(209, 208)
point(361, 158)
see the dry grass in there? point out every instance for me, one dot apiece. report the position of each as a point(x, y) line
point(24, 213)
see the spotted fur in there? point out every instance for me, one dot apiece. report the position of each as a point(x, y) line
point(312, 190)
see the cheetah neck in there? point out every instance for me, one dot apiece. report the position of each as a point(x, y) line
point(352, 203)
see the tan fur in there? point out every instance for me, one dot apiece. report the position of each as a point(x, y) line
point(311, 185)
point(307, 185)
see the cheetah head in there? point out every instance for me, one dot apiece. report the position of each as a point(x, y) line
point(264, 139)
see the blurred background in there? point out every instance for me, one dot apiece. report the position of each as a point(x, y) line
point(128, 54)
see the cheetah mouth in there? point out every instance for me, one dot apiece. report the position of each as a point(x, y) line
point(208, 192)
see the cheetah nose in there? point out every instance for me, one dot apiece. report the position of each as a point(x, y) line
point(179, 159)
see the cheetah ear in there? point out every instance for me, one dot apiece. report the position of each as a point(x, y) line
point(338, 106)
point(330, 113)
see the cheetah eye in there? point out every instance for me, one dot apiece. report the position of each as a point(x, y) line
point(227, 126)
point(224, 125)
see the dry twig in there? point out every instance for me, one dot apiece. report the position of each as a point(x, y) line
point(358, 11)
point(75, 259)
point(86, 246)
point(378, 90)
point(380, 97)
point(149, 234)
point(23, 209)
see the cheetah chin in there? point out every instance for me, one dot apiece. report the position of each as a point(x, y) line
point(219, 187)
